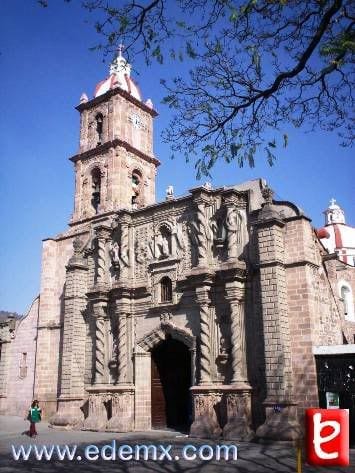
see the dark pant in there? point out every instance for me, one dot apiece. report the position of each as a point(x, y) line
point(33, 430)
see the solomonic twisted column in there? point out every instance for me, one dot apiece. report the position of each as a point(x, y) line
point(238, 399)
point(100, 350)
point(238, 342)
point(100, 342)
point(201, 234)
point(205, 396)
point(102, 233)
point(205, 360)
point(122, 348)
point(124, 246)
point(205, 336)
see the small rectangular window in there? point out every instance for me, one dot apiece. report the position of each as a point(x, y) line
point(23, 366)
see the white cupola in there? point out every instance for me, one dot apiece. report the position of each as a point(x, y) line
point(334, 213)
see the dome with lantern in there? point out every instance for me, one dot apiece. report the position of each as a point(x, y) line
point(120, 76)
point(336, 236)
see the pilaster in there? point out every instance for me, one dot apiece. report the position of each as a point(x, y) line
point(73, 361)
point(281, 420)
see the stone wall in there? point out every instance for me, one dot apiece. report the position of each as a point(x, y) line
point(22, 368)
point(313, 306)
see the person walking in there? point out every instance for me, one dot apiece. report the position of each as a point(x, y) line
point(34, 416)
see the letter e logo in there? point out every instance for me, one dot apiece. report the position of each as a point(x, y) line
point(327, 437)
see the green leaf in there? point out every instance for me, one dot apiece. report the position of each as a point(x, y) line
point(181, 24)
point(256, 61)
point(111, 37)
point(235, 148)
point(233, 16)
point(270, 157)
point(250, 156)
point(285, 137)
point(123, 20)
point(190, 51)
point(157, 54)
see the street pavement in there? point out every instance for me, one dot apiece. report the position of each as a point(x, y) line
point(252, 457)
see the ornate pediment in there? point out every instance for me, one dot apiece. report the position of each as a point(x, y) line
point(164, 330)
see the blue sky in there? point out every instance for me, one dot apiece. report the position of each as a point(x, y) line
point(45, 65)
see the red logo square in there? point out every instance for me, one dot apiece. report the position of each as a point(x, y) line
point(327, 437)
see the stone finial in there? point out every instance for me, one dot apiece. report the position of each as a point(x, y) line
point(269, 210)
point(207, 185)
point(77, 245)
point(84, 98)
point(169, 192)
point(77, 257)
point(267, 194)
point(149, 104)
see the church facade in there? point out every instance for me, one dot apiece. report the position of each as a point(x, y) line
point(204, 313)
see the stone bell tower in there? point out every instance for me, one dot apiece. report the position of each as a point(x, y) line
point(115, 167)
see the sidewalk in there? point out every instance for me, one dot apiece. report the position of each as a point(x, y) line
point(252, 457)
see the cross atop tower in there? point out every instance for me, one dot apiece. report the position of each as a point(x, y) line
point(119, 65)
point(120, 49)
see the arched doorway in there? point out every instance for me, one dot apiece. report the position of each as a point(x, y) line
point(171, 381)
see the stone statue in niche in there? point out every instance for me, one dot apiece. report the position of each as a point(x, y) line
point(140, 251)
point(112, 363)
point(223, 346)
point(163, 243)
point(115, 255)
point(179, 237)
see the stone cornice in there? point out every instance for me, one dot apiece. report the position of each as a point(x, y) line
point(269, 221)
point(113, 144)
point(232, 271)
point(50, 326)
point(304, 262)
point(76, 262)
point(98, 294)
point(109, 388)
point(93, 218)
point(163, 263)
point(199, 277)
point(163, 308)
point(201, 194)
point(121, 290)
point(112, 92)
point(266, 264)
point(297, 217)
point(234, 197)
